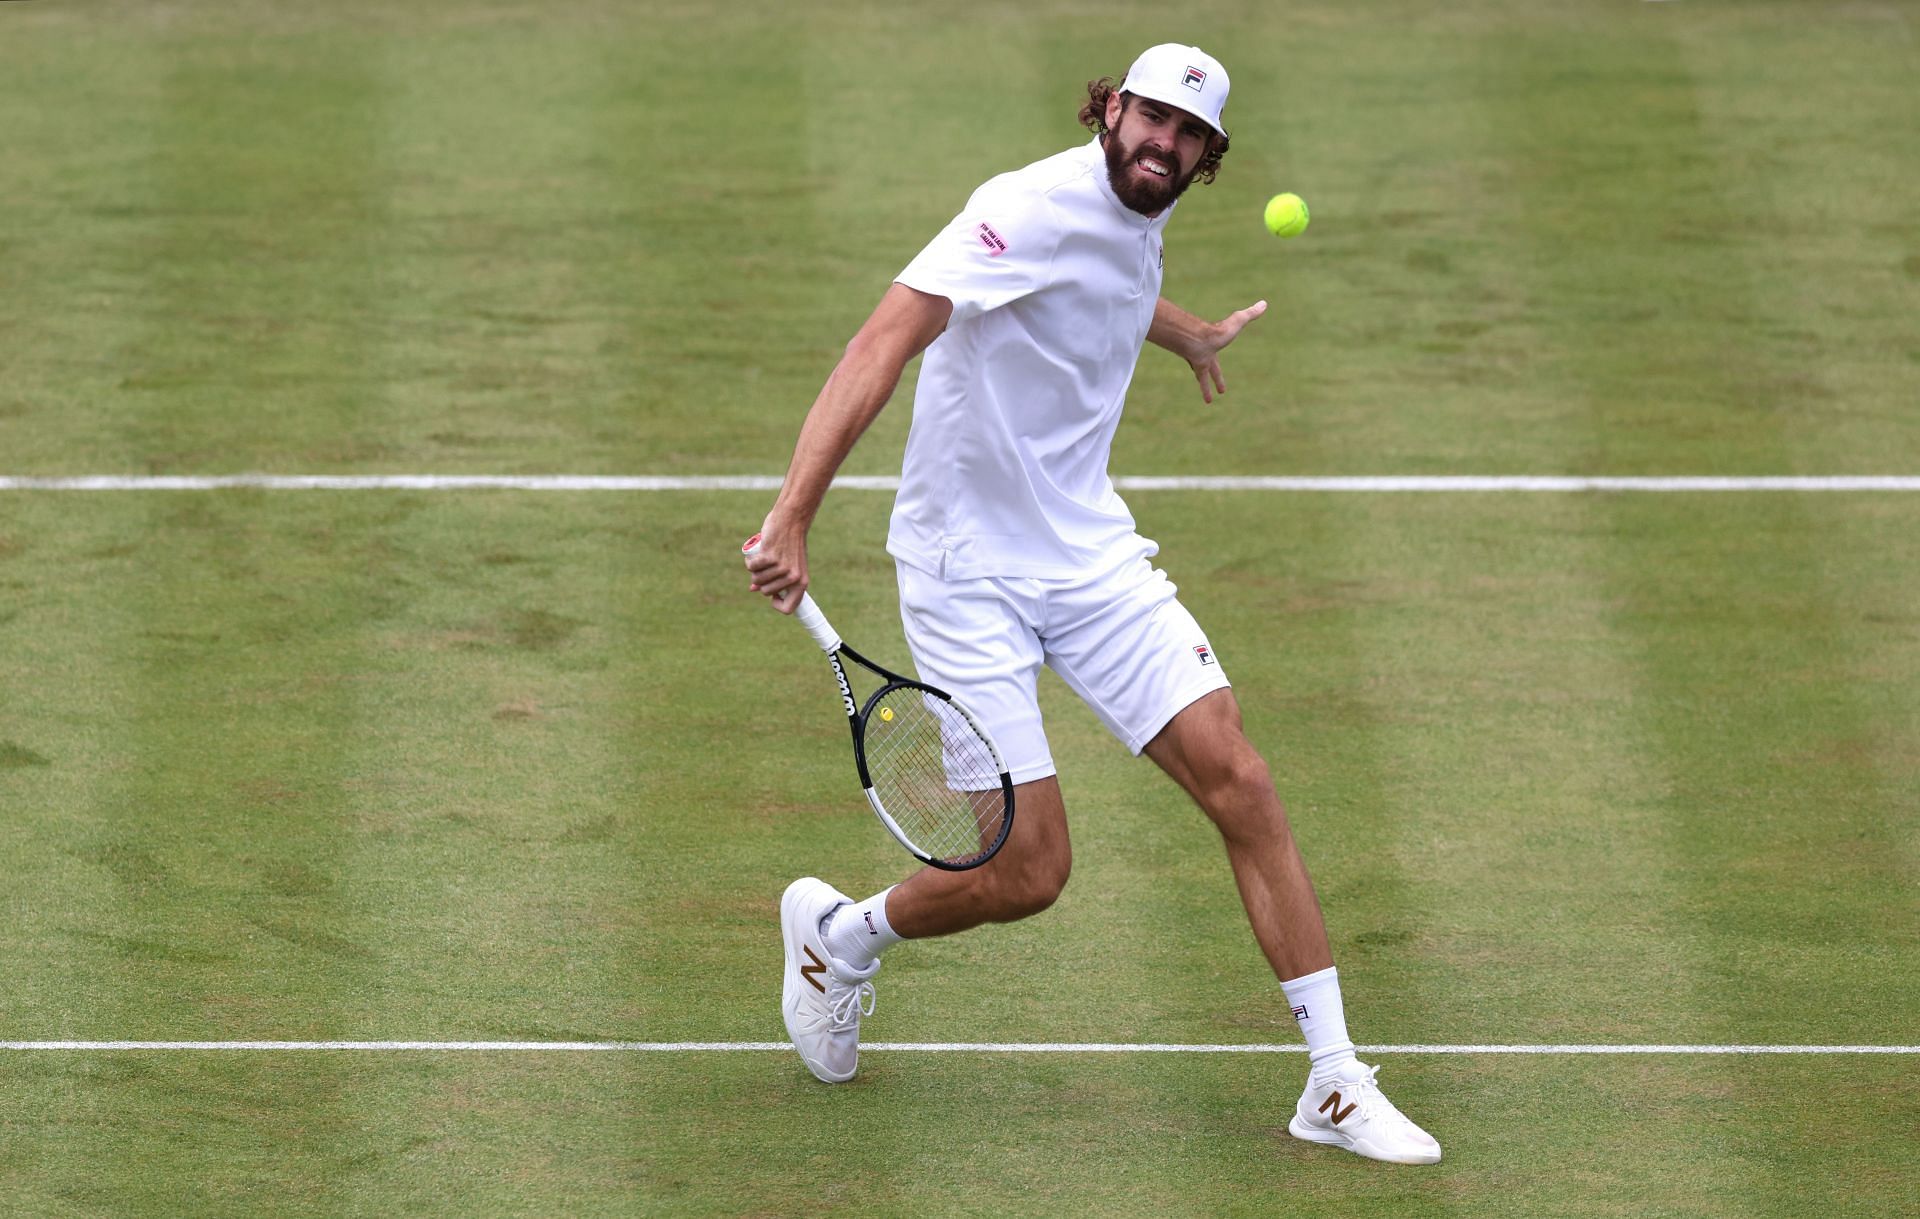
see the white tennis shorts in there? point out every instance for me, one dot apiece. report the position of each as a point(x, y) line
point(1121, 641)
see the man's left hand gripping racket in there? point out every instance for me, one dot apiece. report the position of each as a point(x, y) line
point(931, 772)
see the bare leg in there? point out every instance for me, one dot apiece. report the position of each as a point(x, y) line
point(1205, 750)
point(1023, 879)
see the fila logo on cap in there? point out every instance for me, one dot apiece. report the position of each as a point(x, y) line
point(1186, 78)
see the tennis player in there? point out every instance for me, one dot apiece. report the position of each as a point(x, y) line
point(1013, 551)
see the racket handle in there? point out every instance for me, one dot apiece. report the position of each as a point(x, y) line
point(817, 625)
point(807, 612)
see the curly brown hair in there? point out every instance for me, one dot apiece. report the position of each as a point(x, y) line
point(1093, 116)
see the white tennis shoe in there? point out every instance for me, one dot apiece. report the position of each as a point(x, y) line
point(1353, 1113)
point(822, 999)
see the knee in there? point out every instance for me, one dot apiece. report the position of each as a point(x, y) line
point(1029, 884)
point(1238, 794)
point(1236, 778)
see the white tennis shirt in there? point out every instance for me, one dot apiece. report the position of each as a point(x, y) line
point(1053, 282)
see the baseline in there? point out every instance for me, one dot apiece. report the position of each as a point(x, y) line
point(923, 1047)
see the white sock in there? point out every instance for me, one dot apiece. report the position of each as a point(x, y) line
point(1316, 1005)
point(858, 933)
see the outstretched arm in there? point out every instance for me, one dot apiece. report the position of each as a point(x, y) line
point(1199, 342)
point(901, 327)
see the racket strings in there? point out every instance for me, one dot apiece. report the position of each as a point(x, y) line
point(935, 776)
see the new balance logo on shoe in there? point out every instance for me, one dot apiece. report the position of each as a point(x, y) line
point(811, 974)
point(1333, 1102)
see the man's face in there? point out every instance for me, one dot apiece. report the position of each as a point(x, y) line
point(1153, 151)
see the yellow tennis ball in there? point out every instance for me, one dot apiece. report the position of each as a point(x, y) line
point(1286, 215)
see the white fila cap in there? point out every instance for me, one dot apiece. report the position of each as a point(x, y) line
point(1183, 77)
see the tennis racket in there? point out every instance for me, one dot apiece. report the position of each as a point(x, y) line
point(930, 769)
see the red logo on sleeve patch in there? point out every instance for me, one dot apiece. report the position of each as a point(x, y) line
point(1205, 655)
point(996, 246)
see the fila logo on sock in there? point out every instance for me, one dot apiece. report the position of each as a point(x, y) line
point(1300, 1013)
point(1333, 1102)
point(1204, 653)
point(809, 971)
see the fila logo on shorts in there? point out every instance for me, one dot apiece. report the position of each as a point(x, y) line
point(1195, 79)
point(1201, 651)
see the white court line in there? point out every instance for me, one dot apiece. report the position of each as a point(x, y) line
point(926, 1047)
point(758, 482)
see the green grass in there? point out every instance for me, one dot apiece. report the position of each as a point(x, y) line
point(1593, 768)
point(498, 1134)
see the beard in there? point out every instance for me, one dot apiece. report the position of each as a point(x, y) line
point(1138, 189)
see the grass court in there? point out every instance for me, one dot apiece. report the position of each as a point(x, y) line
point(375, 765)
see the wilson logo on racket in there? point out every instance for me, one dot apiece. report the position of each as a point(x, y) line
point(1333, 1102)
point(820, 967)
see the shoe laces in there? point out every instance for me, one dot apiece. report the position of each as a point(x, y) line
point(1366, 1093)
point(847, 1004)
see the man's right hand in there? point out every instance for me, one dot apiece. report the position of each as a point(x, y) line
point(778, 565)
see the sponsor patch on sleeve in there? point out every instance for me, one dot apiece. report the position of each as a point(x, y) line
point(996, 245)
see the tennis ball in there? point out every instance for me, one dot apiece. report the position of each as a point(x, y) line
point(1286, 215)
